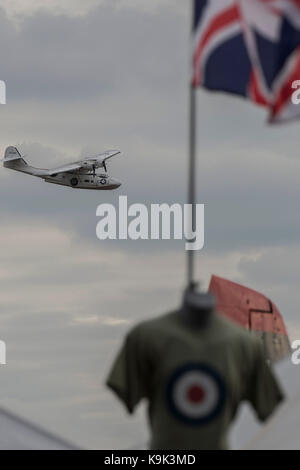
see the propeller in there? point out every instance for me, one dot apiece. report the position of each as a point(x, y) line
point(95, 165)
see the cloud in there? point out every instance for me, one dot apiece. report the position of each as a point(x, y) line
point(65, 58)
point(18, 8)
point(83, 77)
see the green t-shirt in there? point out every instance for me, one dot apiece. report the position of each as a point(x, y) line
point(194, 379)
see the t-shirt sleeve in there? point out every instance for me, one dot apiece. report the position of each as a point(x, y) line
point(128, 377)
point(264, 391)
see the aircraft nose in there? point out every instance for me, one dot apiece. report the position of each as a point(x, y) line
point(115, 183)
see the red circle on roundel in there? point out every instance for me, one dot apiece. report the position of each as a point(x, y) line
point(195, 394)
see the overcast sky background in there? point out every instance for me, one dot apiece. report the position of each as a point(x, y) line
point(83, 77)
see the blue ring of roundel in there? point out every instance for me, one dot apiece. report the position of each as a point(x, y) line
point(220, 386)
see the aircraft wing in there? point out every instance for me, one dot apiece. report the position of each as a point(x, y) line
point(102, 157)
point(65, 168)
point(98, 160)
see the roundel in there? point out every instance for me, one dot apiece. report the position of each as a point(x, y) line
point(196, 394)
point(103, 181)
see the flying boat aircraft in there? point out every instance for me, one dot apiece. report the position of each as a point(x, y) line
point(82, 174)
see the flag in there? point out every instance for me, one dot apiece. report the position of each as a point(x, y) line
point(250, 48)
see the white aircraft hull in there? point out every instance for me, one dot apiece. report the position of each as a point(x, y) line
point(85, 181)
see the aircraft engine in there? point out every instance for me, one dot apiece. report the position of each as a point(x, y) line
point(92, 166)
point(89, 166)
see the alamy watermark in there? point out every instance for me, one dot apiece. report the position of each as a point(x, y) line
point(157, 222)
point(296, 94)
point(296, 354)
point(2, 92)
point(2, 353)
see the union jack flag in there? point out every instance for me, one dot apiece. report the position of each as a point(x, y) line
point(250, 48)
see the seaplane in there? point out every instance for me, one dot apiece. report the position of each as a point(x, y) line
point(83, 174)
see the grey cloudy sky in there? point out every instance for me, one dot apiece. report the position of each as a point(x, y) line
point(83, 77)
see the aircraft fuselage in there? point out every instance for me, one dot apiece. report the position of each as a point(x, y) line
point(84, 181)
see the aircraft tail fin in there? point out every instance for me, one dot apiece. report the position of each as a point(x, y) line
point(13, 158)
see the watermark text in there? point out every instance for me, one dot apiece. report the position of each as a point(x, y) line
point(2, 353)
point(296, 354)
point(158, 222)
point(2, 92)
